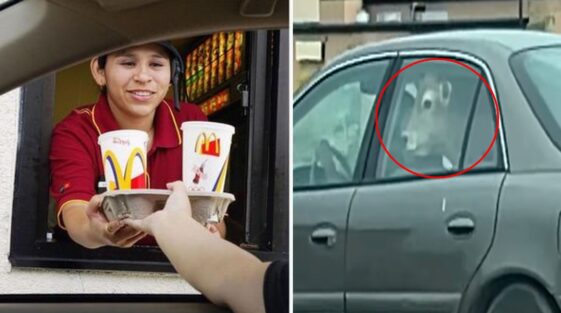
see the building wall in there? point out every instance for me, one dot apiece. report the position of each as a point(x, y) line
point(44, 281)
point(344, 12)
point(334, 45)
point(456, 10)
point(306, 11)
point(483, 9)
point(339, 11)
point(545, 15)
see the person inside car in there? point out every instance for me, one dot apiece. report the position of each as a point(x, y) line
point(224, 273)
point(133, 82)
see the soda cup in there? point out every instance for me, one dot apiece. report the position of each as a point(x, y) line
point(206, 151)
point(124, 159)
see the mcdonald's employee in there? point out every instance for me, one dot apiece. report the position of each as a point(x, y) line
point(133, 82)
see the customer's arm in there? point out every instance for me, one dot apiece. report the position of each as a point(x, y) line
point(223, 272)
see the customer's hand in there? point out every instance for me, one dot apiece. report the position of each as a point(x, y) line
point(177, 207)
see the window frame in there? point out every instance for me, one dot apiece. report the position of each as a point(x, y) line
point(481, 96)
point(371, 176)
point(391, 57)
point(30, 248)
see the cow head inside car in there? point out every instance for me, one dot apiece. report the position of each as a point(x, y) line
point(430, 126)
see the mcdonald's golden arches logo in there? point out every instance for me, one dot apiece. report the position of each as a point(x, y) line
point(124, 179)
point(207, 145)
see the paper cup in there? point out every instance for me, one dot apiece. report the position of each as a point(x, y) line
point(206, 151)
point(124, 159)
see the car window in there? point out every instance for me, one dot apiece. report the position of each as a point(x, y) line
point(537, 72)
point(544, 69)
point(330, 123)
point(428, 119)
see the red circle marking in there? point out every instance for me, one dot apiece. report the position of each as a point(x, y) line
point(497, 118)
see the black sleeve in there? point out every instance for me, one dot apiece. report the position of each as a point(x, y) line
point(275, 287)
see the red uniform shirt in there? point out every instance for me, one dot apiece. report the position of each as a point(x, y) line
point(75, 156)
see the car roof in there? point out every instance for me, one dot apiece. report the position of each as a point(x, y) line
point(513, 40)
point(483, 43)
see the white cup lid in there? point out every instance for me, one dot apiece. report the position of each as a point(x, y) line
point(130, 133)
point(209, 125)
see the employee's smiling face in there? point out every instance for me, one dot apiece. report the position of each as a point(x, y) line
point(137, 80)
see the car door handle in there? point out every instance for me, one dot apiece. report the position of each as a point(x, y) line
point(461, 226)
point(324, 236)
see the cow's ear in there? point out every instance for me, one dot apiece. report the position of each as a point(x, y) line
point(445, 89)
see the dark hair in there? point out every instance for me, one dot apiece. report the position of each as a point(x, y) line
point(101, 61)
point(177, 72)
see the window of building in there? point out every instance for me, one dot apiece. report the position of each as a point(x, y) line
point(258, 219)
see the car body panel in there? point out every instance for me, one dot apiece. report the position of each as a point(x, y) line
point(318, 268)
point(528, 202)
point(399, 247)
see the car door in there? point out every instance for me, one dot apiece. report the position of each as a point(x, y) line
point(413, 243)
point(331, 119)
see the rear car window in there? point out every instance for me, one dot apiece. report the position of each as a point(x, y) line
point(537, 72)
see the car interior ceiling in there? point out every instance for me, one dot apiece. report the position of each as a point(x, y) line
point(104, 30)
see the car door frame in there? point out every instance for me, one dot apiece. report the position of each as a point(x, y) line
point(374, 150)
point(373, 157)
point(312, 301)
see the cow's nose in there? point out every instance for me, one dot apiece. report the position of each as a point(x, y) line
point(405, 137)
point(408, 140)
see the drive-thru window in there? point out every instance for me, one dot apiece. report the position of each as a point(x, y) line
point(238, 78)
